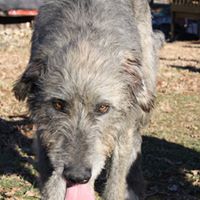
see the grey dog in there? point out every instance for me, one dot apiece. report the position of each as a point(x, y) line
point(90, 86)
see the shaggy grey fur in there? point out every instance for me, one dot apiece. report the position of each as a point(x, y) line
point(86, 54)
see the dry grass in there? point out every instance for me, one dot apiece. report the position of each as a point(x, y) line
point(171, 142)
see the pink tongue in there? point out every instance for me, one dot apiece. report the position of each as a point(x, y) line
point(80, 192)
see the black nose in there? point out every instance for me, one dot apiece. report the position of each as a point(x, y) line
point(75, 175)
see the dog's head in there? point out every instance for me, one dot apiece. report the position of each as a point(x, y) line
point(82, 101)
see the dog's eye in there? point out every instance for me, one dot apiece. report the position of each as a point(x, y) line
point(59, 105)
point(102, 108)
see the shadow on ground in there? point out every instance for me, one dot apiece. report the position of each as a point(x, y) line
point(188, 68)
point(170, 169)
point(16, 155)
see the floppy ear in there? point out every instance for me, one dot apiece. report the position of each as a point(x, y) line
point(26, 84)
point(134, 76)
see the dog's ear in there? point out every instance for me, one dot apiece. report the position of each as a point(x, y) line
point(27, 82)
point(132, 68)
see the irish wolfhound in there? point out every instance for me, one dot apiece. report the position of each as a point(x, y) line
point(90, 85)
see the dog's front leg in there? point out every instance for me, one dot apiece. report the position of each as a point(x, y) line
point(125, 153)
point(54, 188)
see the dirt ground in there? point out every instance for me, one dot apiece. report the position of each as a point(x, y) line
point(171, 147)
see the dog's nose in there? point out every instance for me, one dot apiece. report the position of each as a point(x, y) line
point(77, 175)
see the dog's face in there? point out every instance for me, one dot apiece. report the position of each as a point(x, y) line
point(81, 102)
